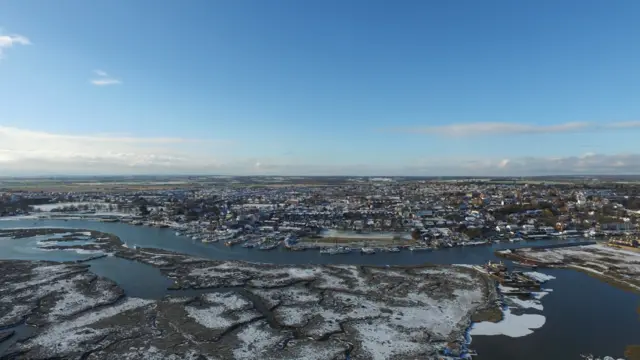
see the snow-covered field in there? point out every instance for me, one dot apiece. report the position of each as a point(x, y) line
point(615, 263)
point(590, 253)
point(69, 289)
point(274, 312)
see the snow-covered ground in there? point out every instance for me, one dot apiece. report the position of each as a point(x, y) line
point(598, 254)
point(222, 310)
point(512, 325)
point(64, 336)
point(69, 290)
point(615, 263)
point(383, 312)
point(517, 325)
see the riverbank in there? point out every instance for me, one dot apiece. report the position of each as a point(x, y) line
point(372, 242)
point(618, 267)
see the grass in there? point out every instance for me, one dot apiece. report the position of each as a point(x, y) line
point(632, 352)
point(492, 314)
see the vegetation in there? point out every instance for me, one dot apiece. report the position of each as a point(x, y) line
point(633, 351)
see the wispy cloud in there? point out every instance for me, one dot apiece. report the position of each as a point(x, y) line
point(8, 41)
point(586, 164)
point(38, 151)
point(501, 128)
point(624, 125)
point(29, 152)
point(104, 79)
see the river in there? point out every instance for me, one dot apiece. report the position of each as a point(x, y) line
point(583, 315)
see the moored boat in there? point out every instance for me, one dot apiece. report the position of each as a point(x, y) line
point(268, 246)
point(420, 248)
point(336, 250)
point(368, 251)
point(525, 264)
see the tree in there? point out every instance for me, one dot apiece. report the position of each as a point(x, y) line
point(415, 234)
point(473, 232)
point(143, 210)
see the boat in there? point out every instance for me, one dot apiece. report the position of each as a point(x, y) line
point(268, 246)
point(336, 250)
point(368, 251)
point(525, 264)
point(475, 243)
point(249, 245)
point(495, 267)
point(178, 233)
point(420, 248)
point(342, 250)
point(393, 250)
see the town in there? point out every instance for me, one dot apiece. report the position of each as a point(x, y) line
point(342, 215)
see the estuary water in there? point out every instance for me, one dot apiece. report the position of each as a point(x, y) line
point(583, 315)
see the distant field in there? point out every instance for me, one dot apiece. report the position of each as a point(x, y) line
point(62, 186)
point(532, 182)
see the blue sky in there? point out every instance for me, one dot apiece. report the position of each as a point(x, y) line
point(320, 87)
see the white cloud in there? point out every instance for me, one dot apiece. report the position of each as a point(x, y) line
point(624, 125)
point(104, 79)
point(586, 164)
point(7, 41)
point(501, 128)
point(28, 152)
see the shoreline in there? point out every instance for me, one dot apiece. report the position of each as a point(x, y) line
point(600, 275)
point(309, 243)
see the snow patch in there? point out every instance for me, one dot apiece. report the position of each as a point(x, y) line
point(525, 304)
point(256, 339)
point(224, 310)
point(512, 325)
point(381, 340)
point(539, 276)
point(68, 335)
